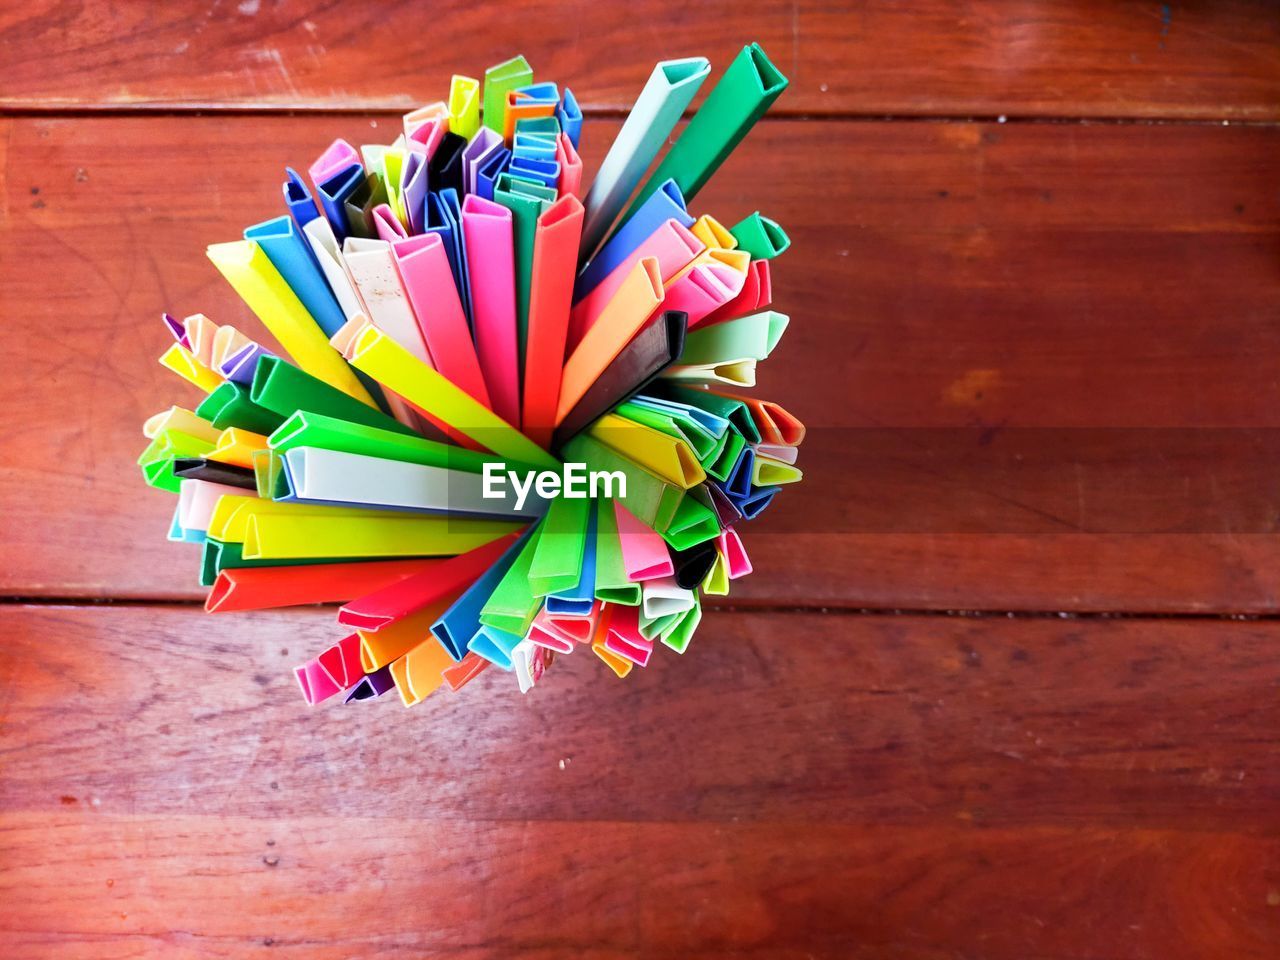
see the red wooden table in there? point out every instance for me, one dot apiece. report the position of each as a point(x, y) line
point(1005, 683)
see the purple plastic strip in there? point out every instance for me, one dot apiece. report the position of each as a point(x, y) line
point(239, 367)
point(178, 329)
point(477, 151)
point(372, 685)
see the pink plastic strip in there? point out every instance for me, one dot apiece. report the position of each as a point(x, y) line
point(388, 224)
point(644, 552)
point(736, 561)
point(426, 137)
point(428, 282)
point(570, 167)
point(703, 290)
point(337, 156)
point(546, 633)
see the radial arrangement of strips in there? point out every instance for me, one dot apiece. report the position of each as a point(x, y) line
point(461, 314)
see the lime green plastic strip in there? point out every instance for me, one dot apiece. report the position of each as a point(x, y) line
point(232, 405)
point(395, 368)
point(653, 501)
point(693, 523)
point(281, 387)
point(747, 89)
point(678, 638)
point(500, 80)
point(526, 200)
point(612, 585)
point(716, 582)
point(306, 429)
point(557, 562)
point(513, 605)
point(464, 106)
point(760, 236)
point(156, 460)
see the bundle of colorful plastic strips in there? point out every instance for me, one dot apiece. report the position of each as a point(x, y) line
point(507, 418)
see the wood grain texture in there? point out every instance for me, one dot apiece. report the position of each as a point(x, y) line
point(979, 788)
point(1052, 389)
point(938, 57)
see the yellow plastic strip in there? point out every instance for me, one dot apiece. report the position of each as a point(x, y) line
point(713, 233)
point(229, 521)
point(393, 366)
point(236, 446)
point(738, 260)
point(273, 537)
point(260, 285)
point(667, 457)
point(183, 362)
point(768, 472)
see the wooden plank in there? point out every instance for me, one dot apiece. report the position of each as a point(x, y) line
point(937, 57)
point(775, 717)
point(105, 886)
point(958, 787)
point(1017, 309)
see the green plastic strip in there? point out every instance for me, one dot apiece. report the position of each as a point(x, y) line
point(283, 388)
point(653, 501)
point(760, 236)
point(612, 585)
point(656, 627)
point(701, 440)
point(232, 405)
point(500, 80)
point(747, 89)
point(746, 338)
point(513, 605)
point(157, 459)
point(735, 411)
point(526, 200)
point(693, 523)
point(557, 562)
point(723, 463)
point(678, 638)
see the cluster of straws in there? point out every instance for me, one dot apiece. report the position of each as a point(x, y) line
point(503, 419)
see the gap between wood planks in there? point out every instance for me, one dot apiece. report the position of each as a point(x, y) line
point(89, 111)
point(797, 608)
